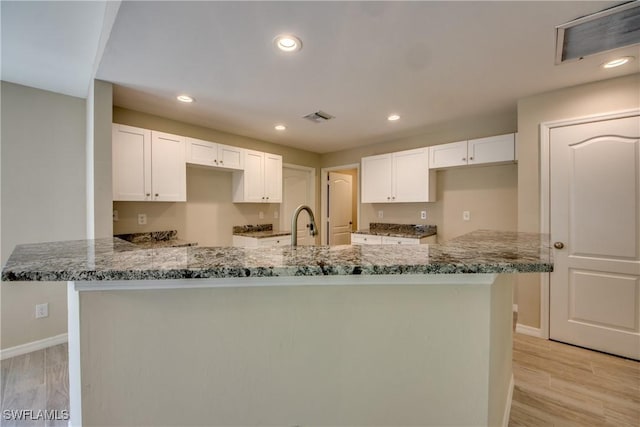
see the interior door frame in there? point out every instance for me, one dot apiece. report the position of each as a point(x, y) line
point(545, 193)
point(285, 223)
point(324, 175)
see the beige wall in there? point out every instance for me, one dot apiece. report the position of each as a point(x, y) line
point(579, 101)
point(43, 199)
point(209, 213)
point(488, 193)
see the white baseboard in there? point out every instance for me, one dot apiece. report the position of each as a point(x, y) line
point(528, 330)
point(507, 409)
point(19, 350)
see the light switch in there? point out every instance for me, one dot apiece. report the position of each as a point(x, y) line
point(380, 214)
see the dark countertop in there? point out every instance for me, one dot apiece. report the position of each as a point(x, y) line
point(412, 231)
point(260, 231)
point(482, 251)
point(155, 239)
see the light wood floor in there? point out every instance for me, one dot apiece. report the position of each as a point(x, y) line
point(555, 385)
point(35, 381)
point(561, 385)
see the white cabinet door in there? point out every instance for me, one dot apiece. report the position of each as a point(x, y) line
point(365, 239)
point(412, 180)
point(168, 168)
point(261, 179)
point(403, 176)
point(272, 178)
point(131, 163)
point(493, 149)
point(376, 179)
point(201, 152)
point(230, 157)
point(388, 240)
point(447, 155)
point(252, 188)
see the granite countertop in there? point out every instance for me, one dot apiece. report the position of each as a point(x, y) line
point(412, 231)
point(155, 239)
point(481, 251)
point(258, 231)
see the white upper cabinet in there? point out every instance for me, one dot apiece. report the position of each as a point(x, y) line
point(398, 177)
point(168, 168)
point(448, 155)
point(148, 165)
point(207, 153)
point(493, 149)
point(261, 179)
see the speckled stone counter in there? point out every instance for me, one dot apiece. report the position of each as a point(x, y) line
point(260, 231)
point(114, 259)
point(265, 336)
point(155, 239)
point(411, 231)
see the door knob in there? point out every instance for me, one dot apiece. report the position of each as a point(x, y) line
point(558, 245)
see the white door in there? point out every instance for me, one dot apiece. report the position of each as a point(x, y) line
point(340, 208)
point(595, 224)
point(297, 185)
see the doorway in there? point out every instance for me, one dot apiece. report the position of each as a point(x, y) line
point(340, 207)
point(298, 188)
point(592, 212)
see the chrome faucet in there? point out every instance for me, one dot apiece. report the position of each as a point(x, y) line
point(313, 229)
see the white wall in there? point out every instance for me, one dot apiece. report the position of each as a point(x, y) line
point(43, 199)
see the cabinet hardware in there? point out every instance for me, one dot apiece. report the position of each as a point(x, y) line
point(464, 159)
point(558, 245)
point(470, 158)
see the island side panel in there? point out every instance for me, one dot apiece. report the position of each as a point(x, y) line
point(289, 355)
point(501, 351)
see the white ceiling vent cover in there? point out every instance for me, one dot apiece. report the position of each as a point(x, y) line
point(319, 117)
point(600, 32)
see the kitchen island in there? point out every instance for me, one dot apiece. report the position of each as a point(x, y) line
point(345, 335)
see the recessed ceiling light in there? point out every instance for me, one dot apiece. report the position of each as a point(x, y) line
point(184, 98)
point(280, 127)
point(617, 62)
point(287, 43)
point(393, 117)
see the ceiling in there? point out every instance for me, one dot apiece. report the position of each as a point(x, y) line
point(429, 62)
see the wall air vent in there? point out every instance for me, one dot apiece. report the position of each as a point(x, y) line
point(319, 117)
point(600, 32)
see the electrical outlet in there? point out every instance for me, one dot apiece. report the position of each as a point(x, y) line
point(380, 214)
point(466, 215)
point(115, 215)
point(142, 219)
point(275, 214)
point(423, 214)
point(42, 310)
point(261, 215)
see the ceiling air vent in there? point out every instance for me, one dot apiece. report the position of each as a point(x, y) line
point(609, 29)
point(319, 117)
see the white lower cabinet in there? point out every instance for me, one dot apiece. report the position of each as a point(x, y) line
point(261, 179)
point(254, 242)
point(372, 239)
point(148, 165)
point(365, 239)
